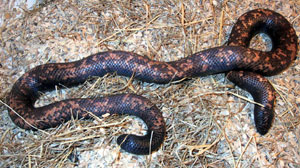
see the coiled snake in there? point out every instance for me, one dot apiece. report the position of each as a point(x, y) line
point(243, 66)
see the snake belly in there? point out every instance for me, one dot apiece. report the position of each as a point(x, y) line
point(243, 66)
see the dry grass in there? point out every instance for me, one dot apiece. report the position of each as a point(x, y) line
point(209, 122)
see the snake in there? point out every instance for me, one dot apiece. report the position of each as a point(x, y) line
point(242, 65)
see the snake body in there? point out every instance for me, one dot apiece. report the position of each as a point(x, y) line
point(243, 66)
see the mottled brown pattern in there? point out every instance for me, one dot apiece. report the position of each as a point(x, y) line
point(244, 67)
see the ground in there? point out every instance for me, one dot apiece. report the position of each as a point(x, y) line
point(209, 120)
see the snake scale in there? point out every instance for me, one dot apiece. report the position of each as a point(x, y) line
point(243, 66)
